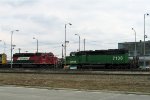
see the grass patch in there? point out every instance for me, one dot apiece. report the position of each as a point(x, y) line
point(89, 82)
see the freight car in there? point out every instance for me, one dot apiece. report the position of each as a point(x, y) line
point(3, 59)
point(37, 60)
point(100, 59)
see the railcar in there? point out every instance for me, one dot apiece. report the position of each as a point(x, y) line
point(35, 60)
point(3, 59)
point(100, 59)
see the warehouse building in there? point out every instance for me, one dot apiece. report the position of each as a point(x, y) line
point(139, 51)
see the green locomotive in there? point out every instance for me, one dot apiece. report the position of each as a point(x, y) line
point(99, 59)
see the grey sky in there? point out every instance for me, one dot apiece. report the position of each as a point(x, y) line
point(103, 23)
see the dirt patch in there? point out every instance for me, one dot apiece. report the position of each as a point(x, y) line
point(131, 83)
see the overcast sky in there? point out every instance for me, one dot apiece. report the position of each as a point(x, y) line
point(103, 23)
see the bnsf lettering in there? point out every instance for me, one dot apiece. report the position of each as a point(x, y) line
point(117, 58)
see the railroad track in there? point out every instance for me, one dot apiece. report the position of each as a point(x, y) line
point(86, 72)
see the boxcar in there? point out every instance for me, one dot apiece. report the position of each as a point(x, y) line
point(112, 58)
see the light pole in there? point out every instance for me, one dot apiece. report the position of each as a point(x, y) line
point(62, 51)
point(66, 40)
point(37, 43)
point(79, 40)
point(135, 43)
point(84, 44)
point(145, 36)
point(19, 49)
point(12, 46)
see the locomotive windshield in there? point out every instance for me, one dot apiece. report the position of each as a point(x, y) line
point(72, 53)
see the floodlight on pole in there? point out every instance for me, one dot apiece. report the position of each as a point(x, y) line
point(37, 43)
point(12, 46)
point(145, 36)
point(135, 43)
point(65, 47)
point(79, 40)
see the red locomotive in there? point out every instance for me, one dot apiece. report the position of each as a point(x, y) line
point(34, 59)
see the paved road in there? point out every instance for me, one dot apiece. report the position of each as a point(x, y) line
point(21, 93)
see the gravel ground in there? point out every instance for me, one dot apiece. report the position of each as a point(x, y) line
point(131, 83)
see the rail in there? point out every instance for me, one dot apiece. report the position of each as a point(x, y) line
point(86, 72)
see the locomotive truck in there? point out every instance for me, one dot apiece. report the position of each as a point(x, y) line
point(101, 59)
